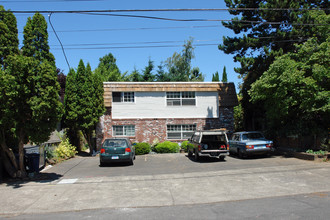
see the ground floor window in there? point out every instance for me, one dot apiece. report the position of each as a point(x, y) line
point(124, 130)
point(180, 131)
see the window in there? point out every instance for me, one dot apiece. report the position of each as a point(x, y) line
point(123, 130)
point(180, 98)
point(180, 131)
point(123, 96)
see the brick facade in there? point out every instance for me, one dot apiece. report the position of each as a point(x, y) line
point(147, 130)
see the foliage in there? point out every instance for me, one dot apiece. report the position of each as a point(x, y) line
point(179, 65)
point(36, 39)
point(224, 75)
point(108, 70)
point(8, 36)
point(65, 150)
point(61, 78)
point(83, 101)
point(147, 72)
point(142, 148)
point(320, 152)
point(30, 106)
point(135, 76)
point(167, 147)
point(238, 115)
point(258, 43)
point(215, 77)
point(296, 90)
point(184, 146)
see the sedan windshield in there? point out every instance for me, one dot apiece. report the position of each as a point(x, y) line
point(252, 136)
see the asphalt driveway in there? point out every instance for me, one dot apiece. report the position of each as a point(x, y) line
point(154, 164)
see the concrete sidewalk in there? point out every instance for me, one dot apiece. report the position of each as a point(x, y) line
point(162, 190)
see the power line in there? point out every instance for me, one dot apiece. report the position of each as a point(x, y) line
point(66, 59)
point(172, 10)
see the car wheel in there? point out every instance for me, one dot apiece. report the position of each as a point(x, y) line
point(102, 164)
point(240, 154)
point(189, 153)
point(222, 158)
point(131, 162)
point(196, 156)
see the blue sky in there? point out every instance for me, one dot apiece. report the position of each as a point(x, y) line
point(81, 34)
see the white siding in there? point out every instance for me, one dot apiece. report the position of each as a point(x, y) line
point(153, 105)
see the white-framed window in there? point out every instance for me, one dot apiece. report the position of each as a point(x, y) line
point(180, 131)
point(123, 97)
point(180, 98)
point(123, 130)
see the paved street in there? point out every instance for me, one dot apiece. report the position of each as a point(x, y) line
point(172, 183)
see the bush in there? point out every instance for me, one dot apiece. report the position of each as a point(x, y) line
point(167, 147)
point(65, 150)
point(142, 148)
point(184, 146)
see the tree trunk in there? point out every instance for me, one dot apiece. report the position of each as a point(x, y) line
point(88, 136)
point(21, 172)
point(9, 160)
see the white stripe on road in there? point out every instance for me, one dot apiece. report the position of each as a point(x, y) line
point(67, 181)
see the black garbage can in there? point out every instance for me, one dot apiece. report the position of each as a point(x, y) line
point(32, 162)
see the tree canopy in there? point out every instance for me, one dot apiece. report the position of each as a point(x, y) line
point(266, 34)
point(296, 90)
point(108, 69)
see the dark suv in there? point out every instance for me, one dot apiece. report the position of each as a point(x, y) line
point(209, 143)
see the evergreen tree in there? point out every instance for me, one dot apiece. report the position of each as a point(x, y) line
point(8, 36)
point(135, 76)
point(224, 75)
point(215, 77)
point(108, 69)
point(161, 75)
point(147, 72)
point(268, 34)
point(36, 39)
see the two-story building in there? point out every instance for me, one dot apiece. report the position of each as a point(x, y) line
point(146, 111)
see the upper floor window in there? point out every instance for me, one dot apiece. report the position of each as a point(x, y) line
point(180, 98)
point(123, 96)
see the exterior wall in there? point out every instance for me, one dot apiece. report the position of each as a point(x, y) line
point(149, 129)
point(153, 105)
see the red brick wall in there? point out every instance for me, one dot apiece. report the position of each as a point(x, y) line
point(147, 130)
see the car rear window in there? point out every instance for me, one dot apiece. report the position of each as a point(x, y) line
point(220, 137)
point(252, 136)
point(115, 143)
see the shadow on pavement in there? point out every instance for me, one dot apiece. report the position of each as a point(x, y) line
point(37, 178)
point(206, 160)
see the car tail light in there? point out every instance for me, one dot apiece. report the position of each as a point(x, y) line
point(128, 149)
point(223, 146)
point(199, 147)
point(269, 145)
point(102, 151)
point(249, 147)
point(227, 146)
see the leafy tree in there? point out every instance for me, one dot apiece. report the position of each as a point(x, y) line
point(135, 76)
point(179, 65)
point(296, 90)
point(147, 72)
point(224, 75)
point(266, 34)
point(8, 35)
point(161, 75)
point(108, 69)
point(83, 101)
point(238, 115)
point(215, 77)
point(36, 39)
point(30, 106)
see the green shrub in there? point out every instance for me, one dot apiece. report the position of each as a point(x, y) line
point(184, 146)
point(142, 148)
point(65, 150)
point(167, 147)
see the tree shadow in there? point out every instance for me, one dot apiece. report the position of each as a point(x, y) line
point(36, 178)
point(206, 159)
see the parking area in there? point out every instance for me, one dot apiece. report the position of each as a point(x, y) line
point(154, 164)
